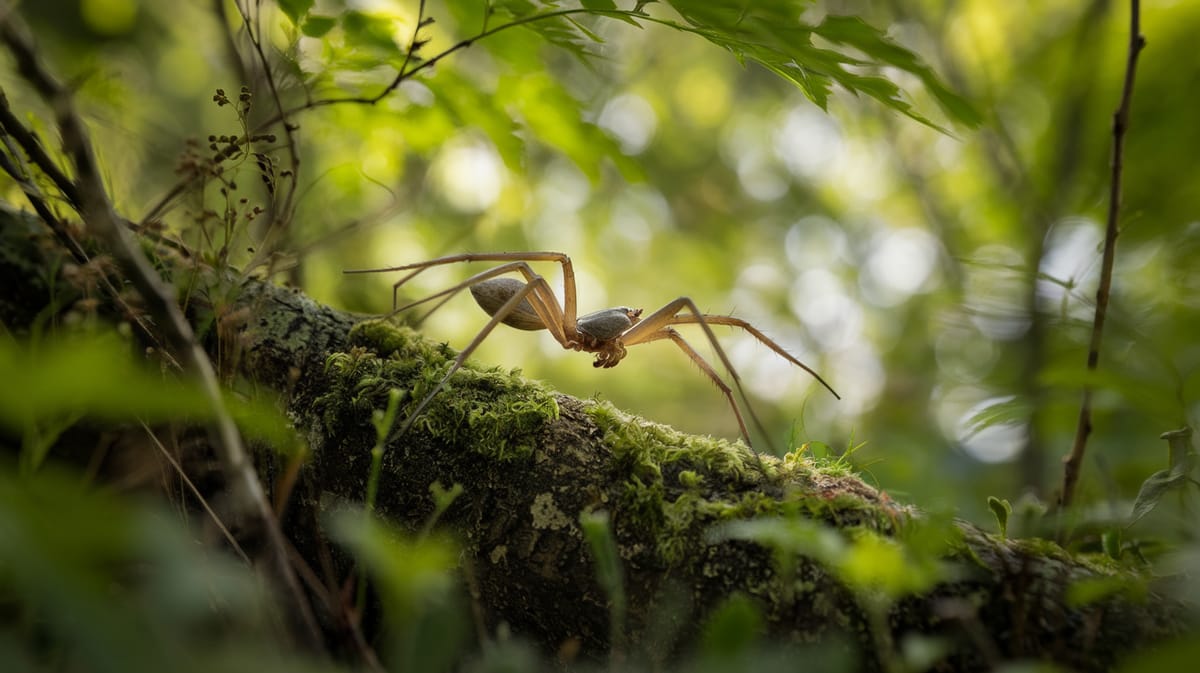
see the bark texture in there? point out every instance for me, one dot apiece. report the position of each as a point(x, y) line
point(531, 462)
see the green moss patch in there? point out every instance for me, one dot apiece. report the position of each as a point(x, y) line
point(673, 486)
point(497, 413)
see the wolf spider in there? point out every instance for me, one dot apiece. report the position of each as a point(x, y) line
point(532, 305)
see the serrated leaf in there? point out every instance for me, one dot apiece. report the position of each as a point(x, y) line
point(560, 31)
point(774, 36)
point(586, 31)
point(853, 31)
point(517, 8)
point(609, 6)
point(295, 9)
point(318, 26)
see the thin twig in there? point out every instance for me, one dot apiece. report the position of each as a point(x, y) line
point(97, 211)
point(403, 74)
point(11, 127)
point(1120, 125)
point(233, 543)
point(36, 153)
point(283, 211)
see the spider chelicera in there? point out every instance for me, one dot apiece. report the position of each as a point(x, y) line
point(531, 305)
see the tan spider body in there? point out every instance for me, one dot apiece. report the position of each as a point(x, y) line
point(532, 305)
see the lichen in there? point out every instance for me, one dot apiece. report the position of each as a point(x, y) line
point(546, 514)
point(497, 413)
point(498, 554)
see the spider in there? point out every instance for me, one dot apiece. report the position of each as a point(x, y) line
point(531, 305)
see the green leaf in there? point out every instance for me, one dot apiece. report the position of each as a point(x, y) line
point(374, 33)
point(295, 9)
point(1004, 410)
point(1110, 540)
point(468, 105)
point(318, 26)
point(96, 573)
point(51, 384)
point(773, 35)
point(442, 499)
point(1094, 589)
point(553, 116)
point(877, 563)
point(734, 628)
point(91, 374)
point(1153, 489)
point(542, 19)
point(853, 31)
point(1001, 509)
point(411, 573)
point(791, 536)
point(1179, 444)
point(597, 530)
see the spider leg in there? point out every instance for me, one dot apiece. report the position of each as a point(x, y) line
point(542, 299)
point(705, 319)
point(512, 303)
point(698, 359)
point(657, 326)
point(568, 307)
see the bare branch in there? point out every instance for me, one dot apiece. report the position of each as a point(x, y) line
point(1120, 125)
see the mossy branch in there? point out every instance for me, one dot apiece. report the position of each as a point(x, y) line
point(693, 518)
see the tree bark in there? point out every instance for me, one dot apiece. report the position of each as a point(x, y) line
point(531, 462)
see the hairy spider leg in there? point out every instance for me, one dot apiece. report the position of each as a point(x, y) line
point(514, 301)
point(762, 338)
point(568, 305)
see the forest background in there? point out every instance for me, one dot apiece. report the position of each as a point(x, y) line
point(936, 263)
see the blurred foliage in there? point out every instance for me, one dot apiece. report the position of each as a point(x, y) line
point(90, 581)
point(941, 276)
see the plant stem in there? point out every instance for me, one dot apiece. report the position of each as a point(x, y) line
point(1073, 461)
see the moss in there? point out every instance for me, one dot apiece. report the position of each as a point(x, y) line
point(665, 496)
point(1096, 563)
point(646, 448)
point(497, 413)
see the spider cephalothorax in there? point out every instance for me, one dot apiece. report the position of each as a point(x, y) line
point(531, 305)
point(600, 333)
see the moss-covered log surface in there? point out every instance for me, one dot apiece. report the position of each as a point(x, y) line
point(530, 462)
